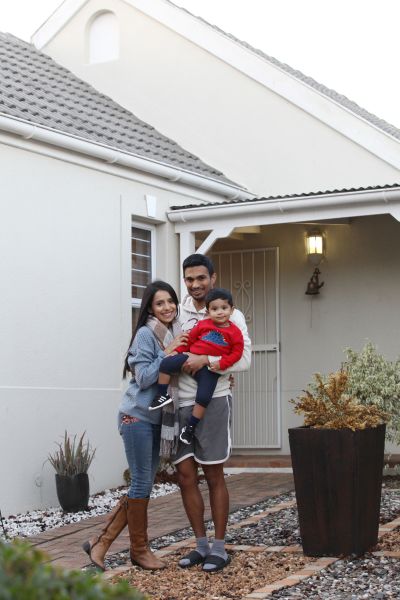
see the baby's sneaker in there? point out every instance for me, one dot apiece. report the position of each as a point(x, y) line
point(159, 401)
point(186, 435)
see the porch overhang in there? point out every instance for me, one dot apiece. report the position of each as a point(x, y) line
point(222, 218)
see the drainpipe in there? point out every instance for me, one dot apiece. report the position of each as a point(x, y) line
point(30, 131)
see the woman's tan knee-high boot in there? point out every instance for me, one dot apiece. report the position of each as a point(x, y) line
point(137, 523)
point(98, 546)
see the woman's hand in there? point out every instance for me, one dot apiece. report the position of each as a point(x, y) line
point(180, 339)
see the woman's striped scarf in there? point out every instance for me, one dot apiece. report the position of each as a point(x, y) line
point(169, 419)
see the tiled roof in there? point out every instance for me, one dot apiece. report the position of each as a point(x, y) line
point(33, 87)
point(304, 195)
point(322, 89)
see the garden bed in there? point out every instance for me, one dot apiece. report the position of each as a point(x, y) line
point(247, 572)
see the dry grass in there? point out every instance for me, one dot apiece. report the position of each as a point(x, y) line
point(247, 572)
point(390, 542)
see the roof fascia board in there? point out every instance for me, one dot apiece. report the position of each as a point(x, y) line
point(93, 164)
point(56, 21)
point(313, 102)
point(289, 210)
point(30, 131)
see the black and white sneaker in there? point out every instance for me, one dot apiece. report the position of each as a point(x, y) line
point(186, 435)
point(160, 401)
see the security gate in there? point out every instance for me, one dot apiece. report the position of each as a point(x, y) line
point(253, 278)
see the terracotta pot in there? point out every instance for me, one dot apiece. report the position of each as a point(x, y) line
point(338, 480)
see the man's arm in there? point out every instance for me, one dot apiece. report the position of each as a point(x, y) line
point(244, 363)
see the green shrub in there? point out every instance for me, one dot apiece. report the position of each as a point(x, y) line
point(25, 576)
point(373, 379)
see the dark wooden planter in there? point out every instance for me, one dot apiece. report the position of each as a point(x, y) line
point(73, 492)
point(338, 480)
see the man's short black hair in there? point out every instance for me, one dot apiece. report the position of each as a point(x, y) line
point(198, 260)
point(219, 294)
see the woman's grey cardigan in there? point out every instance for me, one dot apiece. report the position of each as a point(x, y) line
point(144, 358)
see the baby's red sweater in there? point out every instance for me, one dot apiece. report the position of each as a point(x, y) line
point(207, 338)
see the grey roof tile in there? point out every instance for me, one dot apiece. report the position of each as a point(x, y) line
point(33, 87)
point(322, 89)
point(391, 186)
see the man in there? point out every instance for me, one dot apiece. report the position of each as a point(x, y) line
point(212, 441)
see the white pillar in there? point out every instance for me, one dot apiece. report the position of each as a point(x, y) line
point(187, 246)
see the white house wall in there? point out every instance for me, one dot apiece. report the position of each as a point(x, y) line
point(359, 301)
point(65, 312)
point(238, 125)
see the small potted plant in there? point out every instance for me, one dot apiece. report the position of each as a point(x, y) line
point(71, 462)
point(337, 459)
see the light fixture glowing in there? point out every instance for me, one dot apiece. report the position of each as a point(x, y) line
point(315, 247)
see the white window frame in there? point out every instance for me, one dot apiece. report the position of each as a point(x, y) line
point(137, 301)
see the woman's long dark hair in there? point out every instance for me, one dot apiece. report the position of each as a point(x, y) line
point(145, 310)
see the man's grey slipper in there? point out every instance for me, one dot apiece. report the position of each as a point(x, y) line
point(194, 558)
point(218, 562)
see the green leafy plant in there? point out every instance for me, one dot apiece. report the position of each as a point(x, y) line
point(72, 458)
point(327, 404)
point(24, 575)
point(373, 379)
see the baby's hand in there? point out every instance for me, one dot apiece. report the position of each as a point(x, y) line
point(214, 366)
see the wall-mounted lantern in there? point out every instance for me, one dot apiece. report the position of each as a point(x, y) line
point(315, 254)
point(315, 247)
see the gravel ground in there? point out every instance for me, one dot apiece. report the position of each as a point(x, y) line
point(359, 579)
point(247, 572)
point(368, 577)
point(273, 530)
point(348, 579)
point(284, 531)
point(35, 521)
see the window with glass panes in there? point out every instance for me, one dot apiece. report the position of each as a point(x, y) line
point(142, 265)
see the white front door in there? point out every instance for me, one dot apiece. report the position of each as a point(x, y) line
point(253, 278)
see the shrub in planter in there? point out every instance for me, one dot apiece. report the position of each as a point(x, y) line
point(71, 462)
point(373, 379)
point(337, 459)
point(25, 576)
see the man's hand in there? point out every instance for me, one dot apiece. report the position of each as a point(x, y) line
point(194, 363)
point(215, 366)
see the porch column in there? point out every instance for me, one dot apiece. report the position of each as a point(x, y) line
point(186, 247)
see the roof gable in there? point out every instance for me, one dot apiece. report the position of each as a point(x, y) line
point(33, 87)
point(335, 110)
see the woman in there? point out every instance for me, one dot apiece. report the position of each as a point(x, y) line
point(156, 335)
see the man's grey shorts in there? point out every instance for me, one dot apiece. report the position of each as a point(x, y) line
point(212, 438)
